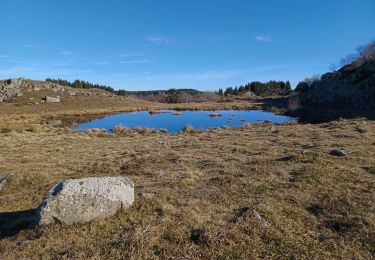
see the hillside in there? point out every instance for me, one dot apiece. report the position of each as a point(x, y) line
point(34, 91)
point(350, 87)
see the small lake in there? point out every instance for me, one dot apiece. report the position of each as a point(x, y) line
point(174, 121)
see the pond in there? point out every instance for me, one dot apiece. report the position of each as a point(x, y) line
point(175, 121)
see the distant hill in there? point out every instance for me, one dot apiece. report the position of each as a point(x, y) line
point(34, 90)
point(148, 92)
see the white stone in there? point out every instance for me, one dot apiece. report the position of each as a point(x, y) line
point(51, 99)
point(82, 200)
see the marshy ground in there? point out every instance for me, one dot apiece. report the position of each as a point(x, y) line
point(258, 191)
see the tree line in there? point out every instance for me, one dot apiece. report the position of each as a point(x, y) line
point(86, 85)
point(258, 88)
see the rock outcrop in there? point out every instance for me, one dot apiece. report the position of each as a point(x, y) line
point(353, 86)
point(10, 89)
point(82, 200)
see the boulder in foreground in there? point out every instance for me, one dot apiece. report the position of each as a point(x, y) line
point(82, 200)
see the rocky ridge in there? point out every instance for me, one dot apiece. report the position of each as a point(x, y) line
point(13, 88)
point(352, 86)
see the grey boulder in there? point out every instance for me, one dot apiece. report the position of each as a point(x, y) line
point(82, 200)
point(51, 99)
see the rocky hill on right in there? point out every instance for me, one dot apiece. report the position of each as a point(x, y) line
point(349, 90)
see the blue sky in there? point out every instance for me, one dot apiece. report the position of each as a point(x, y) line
point(203, 44)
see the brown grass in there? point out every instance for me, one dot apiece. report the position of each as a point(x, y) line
point(259, 191)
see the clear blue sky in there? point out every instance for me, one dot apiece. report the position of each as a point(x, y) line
point(203, 44)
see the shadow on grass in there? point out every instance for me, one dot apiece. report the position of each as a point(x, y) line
point(316, 116)
point(11, 223)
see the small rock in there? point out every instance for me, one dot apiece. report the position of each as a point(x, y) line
point(55, 122)
point(360, 130)
point(215, 114)
point(82, 200)
point(147, 195)
point(4, 179)
point(23, 243)
point(341, 152)
point(160, 173)
point(261, 221)
point(263, 206)
point(285, 158)
point(370, 170)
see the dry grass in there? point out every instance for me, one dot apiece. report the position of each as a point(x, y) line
point(259, 191)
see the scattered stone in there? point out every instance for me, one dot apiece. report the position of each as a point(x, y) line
point(160, 173)
point(360, 130)
point(163, 130)
point(261, 221)
point(82, 200)
point(370, 170)
point(214, 114)
point(55, 122)
point(147, 195)
point(341, 152)
point(285, 158)
point(249, 214)
point(24, 242)
point(49, 99)
point(4, 179)
point(264, 207)
point(155, 112)
point(177, 113)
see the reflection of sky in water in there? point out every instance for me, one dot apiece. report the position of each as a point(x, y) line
point(174, 123)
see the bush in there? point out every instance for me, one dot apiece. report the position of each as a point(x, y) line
point(173, 96)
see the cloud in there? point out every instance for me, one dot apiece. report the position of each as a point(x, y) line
point(264, 38)
point(159, 40)
point(3, 56)
point(66, 52)
point(139, 61)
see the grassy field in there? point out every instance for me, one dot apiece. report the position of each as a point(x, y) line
point(259, 191)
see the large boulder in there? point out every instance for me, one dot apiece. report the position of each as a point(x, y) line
point(82, 200)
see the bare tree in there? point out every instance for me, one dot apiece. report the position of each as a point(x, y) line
point(367, 52)
point(312, 80)
point(363, 54)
